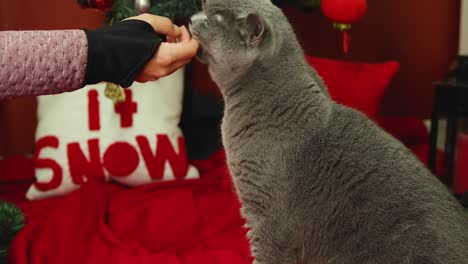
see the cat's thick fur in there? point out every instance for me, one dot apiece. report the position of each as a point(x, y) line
point(319, 182)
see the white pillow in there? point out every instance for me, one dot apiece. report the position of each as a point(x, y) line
point(83, 136)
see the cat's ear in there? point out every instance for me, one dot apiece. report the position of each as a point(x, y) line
point(252, 29)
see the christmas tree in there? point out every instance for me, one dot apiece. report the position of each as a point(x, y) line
point(11, 222)
point(118, 10)
point(173, 9)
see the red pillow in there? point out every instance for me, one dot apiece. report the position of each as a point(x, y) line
point(357, 85)
point(16, 169)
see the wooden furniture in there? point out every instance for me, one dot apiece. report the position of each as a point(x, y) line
point(450, 101)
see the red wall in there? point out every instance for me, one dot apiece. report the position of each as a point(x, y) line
point(46, 14)
point(422, 37)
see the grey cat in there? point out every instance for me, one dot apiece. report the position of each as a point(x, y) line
point(319, 182)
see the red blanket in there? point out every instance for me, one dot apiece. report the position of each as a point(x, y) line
point(176, 222)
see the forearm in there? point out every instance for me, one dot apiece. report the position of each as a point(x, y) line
point(50, 62)
point(41, 62)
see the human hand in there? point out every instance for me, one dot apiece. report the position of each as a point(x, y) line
point(176, 52)
point(162, 25)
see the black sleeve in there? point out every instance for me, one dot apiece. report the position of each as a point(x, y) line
point(119, 52)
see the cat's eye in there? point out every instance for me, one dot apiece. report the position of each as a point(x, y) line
point(222, 19)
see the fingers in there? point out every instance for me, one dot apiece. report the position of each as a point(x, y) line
point(170, 56)
point(171, 39)
point(162, 25)
point(183, 50)
point(162, 72)
point(142, 78)
point(153, 72)
point(184, 34)
point(174, 67)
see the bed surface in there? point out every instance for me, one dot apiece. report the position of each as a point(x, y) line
point(182, 221)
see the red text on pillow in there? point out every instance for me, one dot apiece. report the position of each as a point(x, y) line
point(93, 110)
point(118, 164)
point(126, 109)
point(164, 151)
point(80, 166)
point(57, 172)
point(119, 159)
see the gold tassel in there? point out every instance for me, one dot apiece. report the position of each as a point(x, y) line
point(115, 93)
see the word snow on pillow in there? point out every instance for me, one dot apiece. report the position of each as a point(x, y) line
point(84, 136)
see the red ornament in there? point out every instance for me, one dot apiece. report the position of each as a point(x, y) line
point(343, 13)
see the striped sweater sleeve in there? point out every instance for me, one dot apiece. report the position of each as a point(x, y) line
point(41, 62)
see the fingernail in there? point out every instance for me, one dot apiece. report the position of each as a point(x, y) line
point(176, 29)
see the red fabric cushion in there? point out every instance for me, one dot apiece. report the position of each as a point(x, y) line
point(362, 86)
point(173, 222)
point(16, 169)
point(422, 152)
point(410, 130)
point(357, 85)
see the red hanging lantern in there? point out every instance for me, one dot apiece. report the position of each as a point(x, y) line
point(343, 13)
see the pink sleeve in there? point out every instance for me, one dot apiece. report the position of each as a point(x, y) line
point(41, 62)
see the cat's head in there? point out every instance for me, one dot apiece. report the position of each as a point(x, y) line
point(237, 32)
